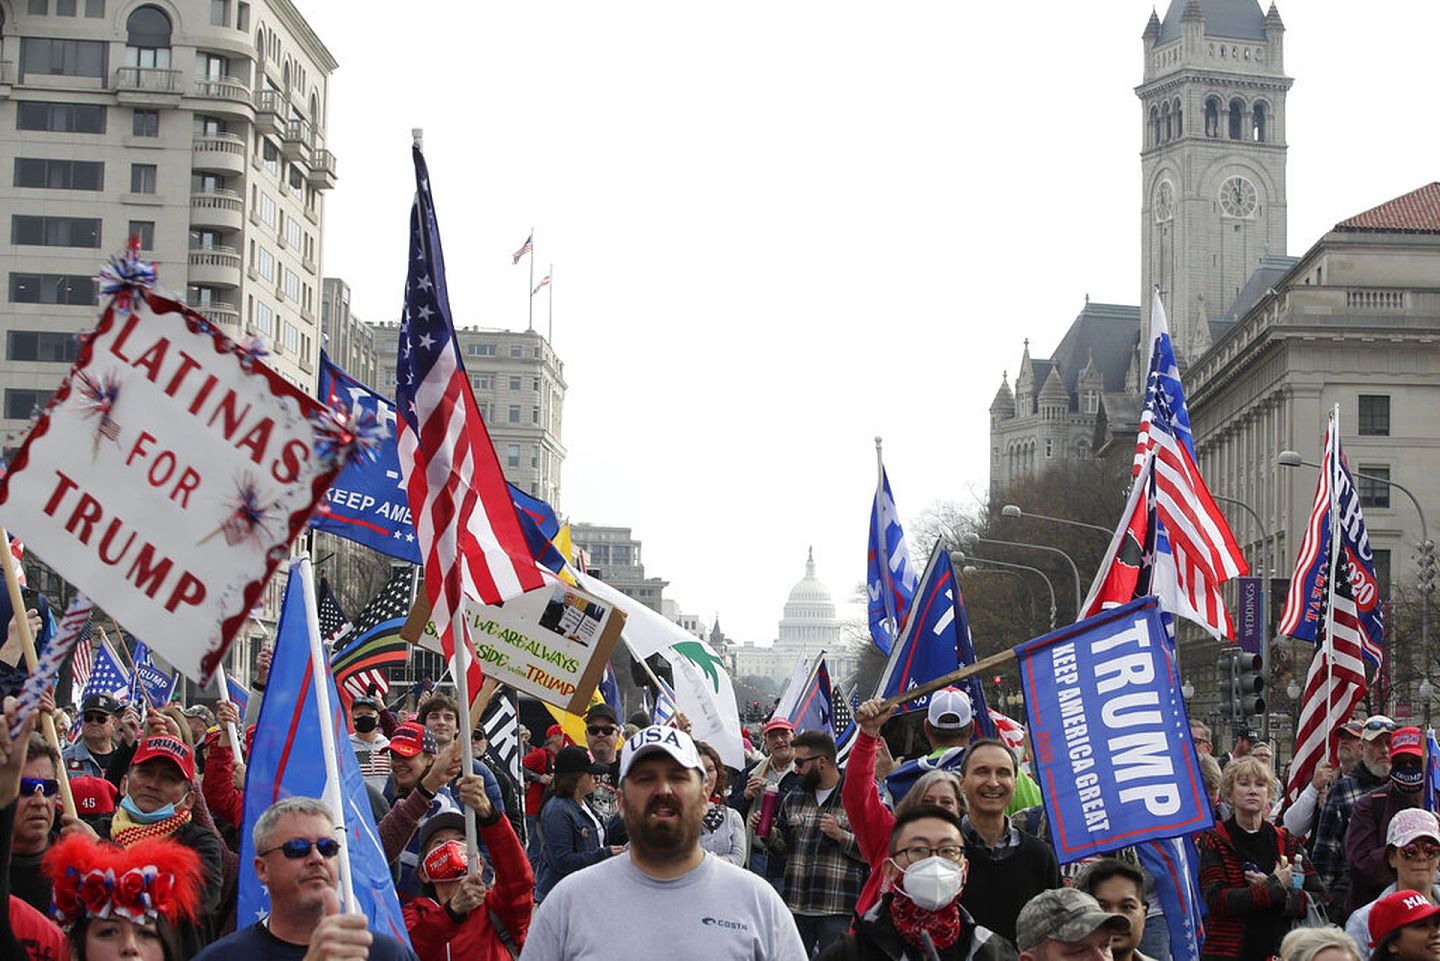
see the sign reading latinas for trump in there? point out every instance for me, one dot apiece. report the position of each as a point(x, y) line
point(168, 476)
point(553, 642)
point(1112, 738)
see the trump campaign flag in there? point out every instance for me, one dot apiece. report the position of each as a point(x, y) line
point(935, 642)
point(367, 503)
point(889, 576)
point(155, 685)
point(283, 764)
point(1112, 738)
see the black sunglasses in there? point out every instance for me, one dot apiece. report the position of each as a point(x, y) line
point(96, 717)
point(39, 785)
point(297, 848)
point(600, 730)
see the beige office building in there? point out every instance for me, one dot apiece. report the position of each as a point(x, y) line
point(196, 125)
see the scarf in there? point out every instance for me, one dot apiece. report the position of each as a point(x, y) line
point(125, 831)
point(714, 817)
point(910, 919)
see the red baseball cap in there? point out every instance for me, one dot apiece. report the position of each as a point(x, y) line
point(1397, 909)
point(168, 748)
point(93, 795)
point(778, 724)
point(553, 730)
point(411, 739)
point(1407, 740)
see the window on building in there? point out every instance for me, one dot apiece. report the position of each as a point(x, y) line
point(481, 350)
point(270, 154)
point(145, 230)
point(64, 58)
point(264, 318)
point(1049, 447)
point(211, 67)
point(64, 8)
point(219, 13)
point(46, 346)
point(1082, 450)
point(516, 350)
point(292, 285)
point(514, 383)
point(512, 454)
point(38, 8)
point(95, 9)
point(534, 456)
point(55, 231)
point(70, 289)
point(269, 211)
point(147, 38)
point(1237, 119)
point(60, 117)
point(1258, 126)
point(242, 15)
point(265, 264)
point(21, 403)
point(1381, 559)
point(292, 337)
point(294, 236)
point(1374, 418)
point(1373, 492)
point(205, 239)
point(59, 174)
point(1092, 401)
point(145, 123)
point(1212, 117)
point(514, 416)
point(534, 415)
point(210, 126)
point(208, 183)
point(142, 178)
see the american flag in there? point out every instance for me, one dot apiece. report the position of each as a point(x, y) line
point(472, 541)
point(334, 625)
point(374, 643)
point(541, 286)
point(843, 717)
point(525, 248)
point(665, 705)
point(1335, 682)
point(1204, 551)
point(81, 663)
point(108, 675)
point(1011, 731)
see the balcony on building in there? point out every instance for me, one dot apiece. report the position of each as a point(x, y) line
point(215, 266)
point(269, 113)
point(225, 96)
point(322, 169)
point(296, 141)
point(220, 313)
point(223, 152)
point(220, 209)
point(147, 86)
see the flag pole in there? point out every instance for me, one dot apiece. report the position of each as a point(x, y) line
point(461, 646)
point(224, 687)
point(320, 672)
point(1333, 466)
point(881, 546)
point(27, 647)
point(530, 324)
point(550, 307)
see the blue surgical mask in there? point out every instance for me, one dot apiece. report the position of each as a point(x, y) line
point(140, 817)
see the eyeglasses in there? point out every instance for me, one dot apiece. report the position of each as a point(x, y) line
point(599, 730)
point(297, 848)
point(919, 852)
point(1373, 725)
point(1420, 852)
point(39, 785)
point(96, 717)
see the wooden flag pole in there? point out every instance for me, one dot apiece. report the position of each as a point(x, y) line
point(969, 670)
point(27, 646)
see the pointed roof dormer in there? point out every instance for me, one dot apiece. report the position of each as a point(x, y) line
point(1192, 12)
point(1091, 376)
point(1152, 28)
point(1004, 402)
point(1272, 18)
point(1054, 394)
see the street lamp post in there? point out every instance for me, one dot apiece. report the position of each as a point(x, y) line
point(1265, 579)
point(1427, 691)
point(972, 539)
point(1013, 510)
point(1290, 458)
point(960, 558)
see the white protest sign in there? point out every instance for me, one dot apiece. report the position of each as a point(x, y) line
point(168, 477)
point(553, 642)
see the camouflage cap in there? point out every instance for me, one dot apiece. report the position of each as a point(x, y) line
point(1063, 914)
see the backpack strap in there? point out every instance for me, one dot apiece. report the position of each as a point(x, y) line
point(503, 933)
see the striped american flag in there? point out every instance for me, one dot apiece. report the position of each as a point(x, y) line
point(525, 248)
point(541, 286)
point(472, 541)
point(1205, 551)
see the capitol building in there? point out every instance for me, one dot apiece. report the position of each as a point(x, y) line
point(809, 625)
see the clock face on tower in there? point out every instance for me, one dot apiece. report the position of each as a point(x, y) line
point(1237, 197)
point(1164, 202)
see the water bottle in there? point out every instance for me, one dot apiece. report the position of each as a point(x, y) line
point(768, 802)
point(1297, 873)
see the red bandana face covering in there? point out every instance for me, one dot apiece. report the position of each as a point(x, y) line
point(446, 862)
point(910, 919)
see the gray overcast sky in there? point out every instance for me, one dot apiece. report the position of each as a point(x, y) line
point(779, 229)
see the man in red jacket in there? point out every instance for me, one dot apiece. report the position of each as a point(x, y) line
point(457, 915)
point(538, 768)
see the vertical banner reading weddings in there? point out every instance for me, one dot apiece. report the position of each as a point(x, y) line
point(1112, 738)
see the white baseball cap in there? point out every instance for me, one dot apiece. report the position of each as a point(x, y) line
point(658, 737)
point(950, 710)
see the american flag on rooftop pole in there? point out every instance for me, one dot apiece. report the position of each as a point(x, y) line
point(471, 540)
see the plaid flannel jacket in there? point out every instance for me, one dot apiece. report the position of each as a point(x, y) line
point(822, 875)
point(1327, 850)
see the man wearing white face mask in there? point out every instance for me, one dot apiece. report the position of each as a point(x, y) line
point(920, 915)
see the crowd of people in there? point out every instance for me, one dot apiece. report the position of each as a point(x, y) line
point(642, 843)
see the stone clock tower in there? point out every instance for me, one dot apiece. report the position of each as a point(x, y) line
point(1212, 158)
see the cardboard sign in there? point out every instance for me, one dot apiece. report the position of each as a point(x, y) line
point(168, 477)
point(552, 643)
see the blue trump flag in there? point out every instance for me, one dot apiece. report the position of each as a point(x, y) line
point(806, 700)
point(156, 686)
point(1175, 866)
point(889, 575)
point(934, 642)
point(283, 764)
point(1111, 734)
point(367, 503)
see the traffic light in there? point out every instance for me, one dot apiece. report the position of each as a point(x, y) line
point(1247, 684)
point(1226, 669)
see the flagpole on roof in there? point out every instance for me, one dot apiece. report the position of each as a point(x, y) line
point(27, 648)
point(1333, 467)
point(550, 306)
point(320, 670)
point(530, 324)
